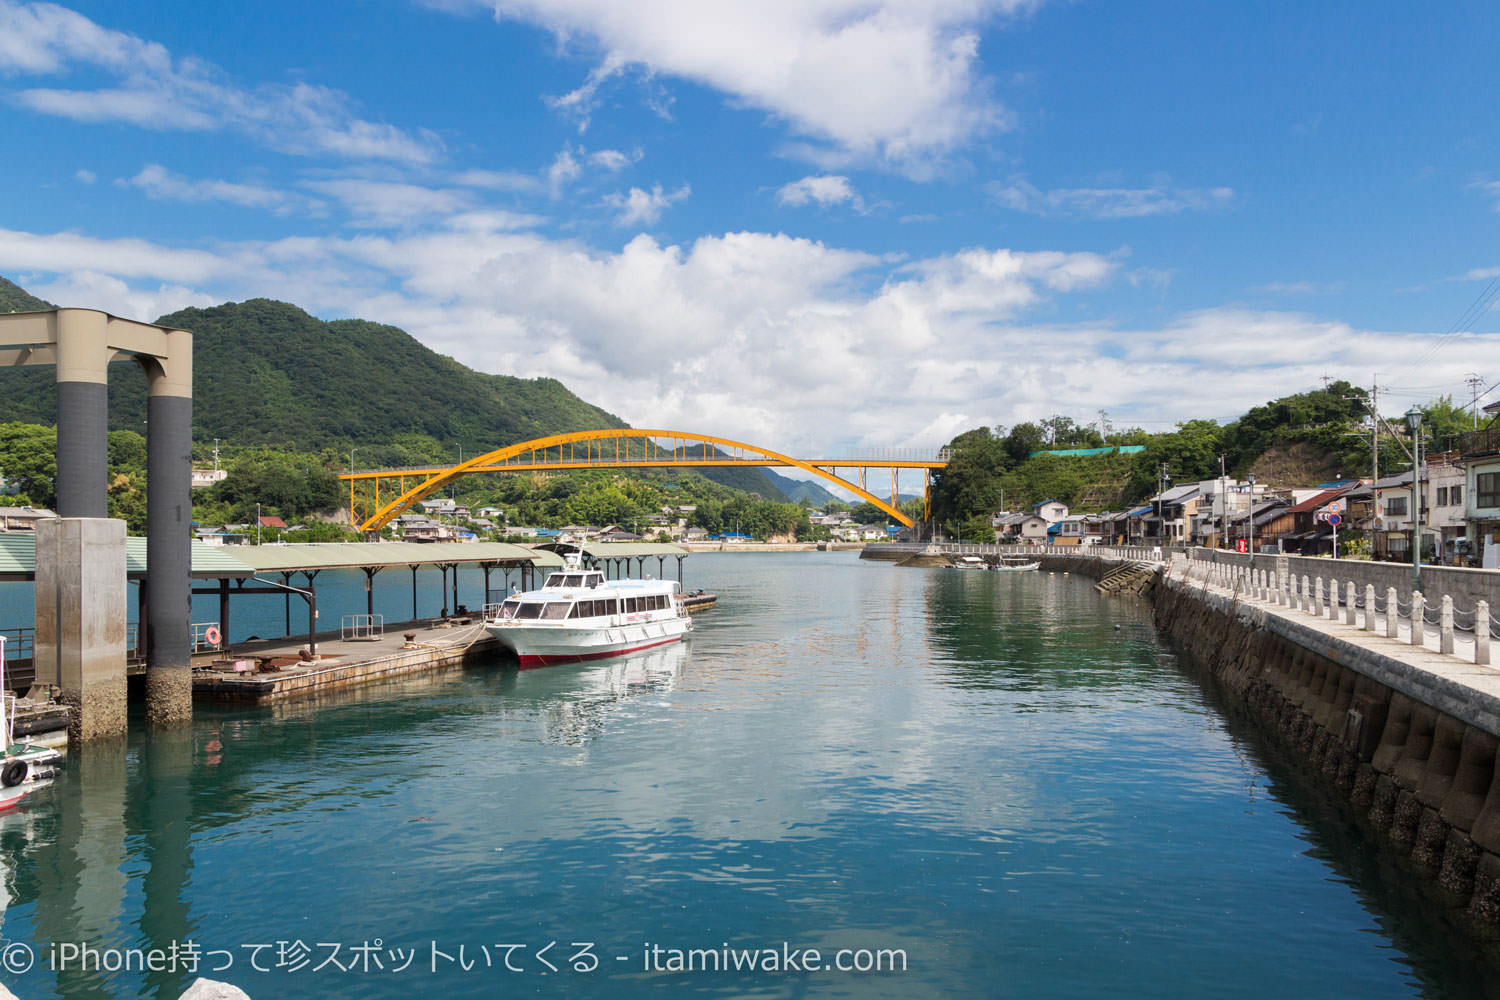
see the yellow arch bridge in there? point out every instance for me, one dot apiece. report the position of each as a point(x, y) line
point(376, 497)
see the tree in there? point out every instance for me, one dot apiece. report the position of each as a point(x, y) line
point(28, 460)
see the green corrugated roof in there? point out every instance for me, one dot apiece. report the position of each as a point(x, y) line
point(18, 556)
point(354, 555)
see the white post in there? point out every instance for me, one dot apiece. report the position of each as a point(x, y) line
point(1369, 607)
point(1445, 626)
point(1418, 613)
point(1317, 607)
point(1392, 614)
point(1482, 632)
point(1350, 610)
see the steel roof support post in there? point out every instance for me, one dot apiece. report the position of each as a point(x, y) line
point(413, 591)
point(224, 612)
point(370, 572)
point(169, 516)
point(286, 578)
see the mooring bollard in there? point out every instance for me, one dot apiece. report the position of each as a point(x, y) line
point(1482, 633)
point(1369, 607)
point(1445, 625)
point(1392, 614)
point(1418, 613)
point(1350, 610)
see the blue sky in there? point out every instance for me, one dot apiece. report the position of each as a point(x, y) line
point(814, 225)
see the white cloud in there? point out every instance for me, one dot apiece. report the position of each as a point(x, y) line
point(779, 341)
point(1109, 203)
point(828, 189)
point(373, 203)
point(613, 160)
point(644, 208)
point(1301, 287)
point(159, 182)
point(85, 176)
point(155, 91)
point(881, 80)
point(564, 170)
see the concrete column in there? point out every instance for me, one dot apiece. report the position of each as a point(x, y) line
point(80, 621)
point(82, 413)
point(1482, 632)
point(1318, 607)
point(1351, 604)
point(1392, 615)
point(1333, 599)
point(1445, 626)
point(1369, 607)
point(169, 515)
point(1418, 612)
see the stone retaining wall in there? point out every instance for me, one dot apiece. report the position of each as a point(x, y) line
point(1421, 762)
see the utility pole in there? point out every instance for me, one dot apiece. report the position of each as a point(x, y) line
point(216, 459)
point(1474, 382)
point(1161, 482)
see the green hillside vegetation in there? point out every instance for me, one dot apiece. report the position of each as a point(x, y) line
point(14, 298)
point(1295, 440)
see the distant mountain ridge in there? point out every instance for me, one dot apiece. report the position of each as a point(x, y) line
point(267, 372)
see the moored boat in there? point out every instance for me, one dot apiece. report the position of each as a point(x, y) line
point(579, 615)
point(23, 767)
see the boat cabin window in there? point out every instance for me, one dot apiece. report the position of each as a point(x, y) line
point(508, 609)
point(528, 609)
point(555, 610)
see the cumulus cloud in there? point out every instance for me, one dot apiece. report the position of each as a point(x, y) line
point(767, 338)
point(883, 80)
point(644, 208)
point(1109, 203)
point(828, 189)
point(152, 89)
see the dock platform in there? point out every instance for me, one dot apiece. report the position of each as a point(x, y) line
point(273, 670)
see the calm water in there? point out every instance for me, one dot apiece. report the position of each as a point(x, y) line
point(1007, 778)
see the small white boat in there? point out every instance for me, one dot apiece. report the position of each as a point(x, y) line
point(1016, 564)
point(579, 615)
point(968, 562)
point(23, 767)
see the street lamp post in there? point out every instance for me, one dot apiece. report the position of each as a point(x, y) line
point(257, 524)
point(1414, 421)
point(1250, 516)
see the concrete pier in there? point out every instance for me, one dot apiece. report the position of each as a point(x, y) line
point(80, 621)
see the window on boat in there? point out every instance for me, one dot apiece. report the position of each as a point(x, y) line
point(556, 610)
point(508, 609)
point(632, 604)
point(528, 609)
point(574, 580)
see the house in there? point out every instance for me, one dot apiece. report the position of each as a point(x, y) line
point(1298, 527)
point(22, 518)
point(1027, 529)
point(1074, 531)
point(1392, 522)
point(694, 535)
point(1172, 513)
point(1444, 510)
point(1050, 510)
point(207, 477)
point(617, 534)
point(1480, 451)
point(271, 521)
point(219, 536)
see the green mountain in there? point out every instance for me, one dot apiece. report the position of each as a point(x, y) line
point(14, 298)
point(267, 373)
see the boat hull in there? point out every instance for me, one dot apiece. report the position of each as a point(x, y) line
point(539, 646)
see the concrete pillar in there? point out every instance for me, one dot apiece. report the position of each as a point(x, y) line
point(1445, 626)
point(169, 516)
point(1369, 607)
point(80, 621)
point(1333, 599)
point(1351, 605)
point(82, 413)
point(1482, 632)
point(1392, 614)
point(1418, 612)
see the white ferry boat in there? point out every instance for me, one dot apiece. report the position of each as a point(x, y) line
point(579, 615)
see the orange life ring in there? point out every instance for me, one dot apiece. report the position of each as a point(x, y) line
point(211, 635)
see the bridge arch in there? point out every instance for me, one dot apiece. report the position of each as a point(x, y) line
point(502, 460)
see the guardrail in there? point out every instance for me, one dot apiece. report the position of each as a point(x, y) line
point(362, 628)
point(206, 636)
point(1140, 553)
point(1430, 622)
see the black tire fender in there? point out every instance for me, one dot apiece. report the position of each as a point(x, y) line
point(14, 773)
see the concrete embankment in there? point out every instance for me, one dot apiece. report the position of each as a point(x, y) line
point(1410, 736)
